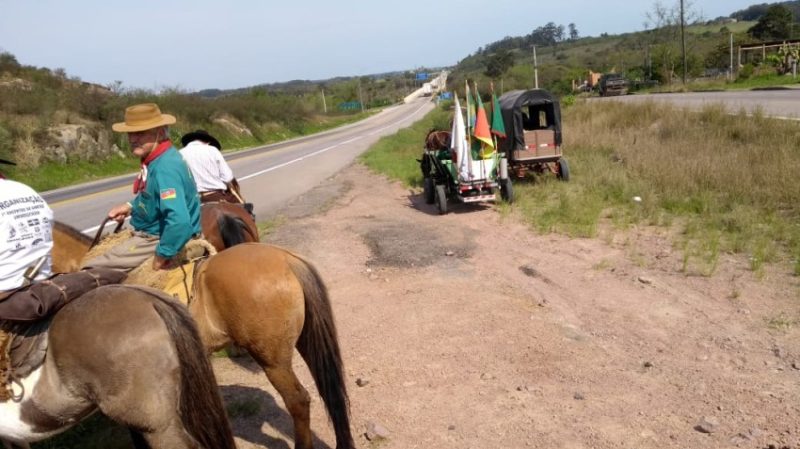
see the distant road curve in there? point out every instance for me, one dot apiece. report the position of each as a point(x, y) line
point(774, 103)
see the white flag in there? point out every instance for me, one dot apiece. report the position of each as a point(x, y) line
point(458, 143)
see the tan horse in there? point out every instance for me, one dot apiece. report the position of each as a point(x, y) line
point(268, 301)
point(136, 356)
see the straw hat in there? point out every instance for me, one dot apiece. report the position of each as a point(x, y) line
point(203, 135)
point(141, 117)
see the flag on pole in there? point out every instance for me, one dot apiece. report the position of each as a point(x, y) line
point(482, 132)
point(498, 126)
point(470, 109)
point(458, 144)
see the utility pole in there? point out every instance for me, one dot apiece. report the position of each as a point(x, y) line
point(730, 71)
point(683, 40)
point(360, 99)
point(324, 105)
point(535, 70)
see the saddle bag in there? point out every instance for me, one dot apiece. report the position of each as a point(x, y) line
point(44, 298)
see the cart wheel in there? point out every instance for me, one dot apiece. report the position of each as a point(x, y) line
point(563, 169)
point(441, 199)
point(428, 190)
point(506, 190)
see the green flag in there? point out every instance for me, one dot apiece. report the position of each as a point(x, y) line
point(498, 127)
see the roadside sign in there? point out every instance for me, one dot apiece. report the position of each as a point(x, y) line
point(422, 76)
point(446, 96)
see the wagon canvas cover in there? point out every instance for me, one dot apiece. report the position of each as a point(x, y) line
point(513, 103)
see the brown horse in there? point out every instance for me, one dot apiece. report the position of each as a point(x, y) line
point(227, 224)
point(136, 356)
point(268, 301)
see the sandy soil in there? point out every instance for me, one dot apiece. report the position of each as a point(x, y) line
point(469, 331)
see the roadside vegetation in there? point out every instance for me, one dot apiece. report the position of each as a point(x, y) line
point(36, 103)
point(651, 59)
point(716, 183)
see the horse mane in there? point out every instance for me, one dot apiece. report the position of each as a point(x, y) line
point(72, 232)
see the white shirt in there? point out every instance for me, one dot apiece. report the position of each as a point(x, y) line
point(208, 167)
point(26, 233)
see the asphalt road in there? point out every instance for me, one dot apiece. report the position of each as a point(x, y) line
point(774, 103)
point(269, 176)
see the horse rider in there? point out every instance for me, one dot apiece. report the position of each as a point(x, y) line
point(214, 178)
point(165, 213)
point(28, 290)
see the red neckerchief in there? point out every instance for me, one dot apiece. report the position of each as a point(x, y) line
point(141, 180)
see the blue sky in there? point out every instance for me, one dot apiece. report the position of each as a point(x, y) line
point(197, 44)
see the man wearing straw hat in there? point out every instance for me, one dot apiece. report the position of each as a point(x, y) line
point(165, 213)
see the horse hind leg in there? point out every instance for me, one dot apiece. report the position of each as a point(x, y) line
point(295, 396)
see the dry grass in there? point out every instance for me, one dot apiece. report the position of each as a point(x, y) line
point(728, 182)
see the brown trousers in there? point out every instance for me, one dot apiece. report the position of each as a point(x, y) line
point(126, 255)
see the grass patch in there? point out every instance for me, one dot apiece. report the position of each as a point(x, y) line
point(727, 180)
point(52, 175)
point(781, 322)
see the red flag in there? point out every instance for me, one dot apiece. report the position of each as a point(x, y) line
point(482, 131)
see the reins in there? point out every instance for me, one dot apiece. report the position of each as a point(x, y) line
point(99, 234)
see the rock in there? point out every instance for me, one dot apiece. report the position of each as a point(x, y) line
point(796, 365)
point(708, 424)
point(63, 143)
point(578, 396)
point(529, 271)
point(644, 280)
point(648, 364)
point(362, 382)
point(376, 432)
point(449, 253)
point(451, 427)
point(744, 437)
point(232, 125)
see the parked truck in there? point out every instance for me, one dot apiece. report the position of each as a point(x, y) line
point(612, 84)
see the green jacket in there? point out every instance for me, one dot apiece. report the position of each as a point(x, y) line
point(169, 206)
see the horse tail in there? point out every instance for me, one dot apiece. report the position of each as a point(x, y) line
point(232, 229)
point(319, 347)
point(201, 409)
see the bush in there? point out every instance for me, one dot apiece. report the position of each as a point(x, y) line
point(746, 72)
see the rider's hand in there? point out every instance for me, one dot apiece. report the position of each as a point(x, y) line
point(119, 213)
point(160, 263)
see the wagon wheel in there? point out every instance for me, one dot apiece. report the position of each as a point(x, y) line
point(563, 170)
point(441, 199)
point(506, 190)
point(428, 190)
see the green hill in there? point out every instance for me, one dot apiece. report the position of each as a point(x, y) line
point(646, 57)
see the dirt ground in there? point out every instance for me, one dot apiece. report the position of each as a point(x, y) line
point(469, 331)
